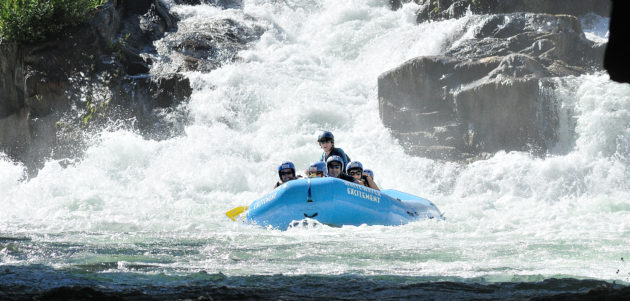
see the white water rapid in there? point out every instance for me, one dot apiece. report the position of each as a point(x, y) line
point(159, 206)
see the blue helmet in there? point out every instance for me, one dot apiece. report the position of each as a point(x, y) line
point(285, 165)
point(369, 172)
point(354, 165)
point(335, 158)
point(326, 135)
point(316, 167)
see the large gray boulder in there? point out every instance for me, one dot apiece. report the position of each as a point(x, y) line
point(432, 10)
point(488, 93)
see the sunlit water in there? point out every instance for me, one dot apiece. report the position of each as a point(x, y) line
point(147, 207)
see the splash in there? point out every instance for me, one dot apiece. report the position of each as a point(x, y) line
point(144, 206)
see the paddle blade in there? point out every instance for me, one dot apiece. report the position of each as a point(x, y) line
point(232, 214)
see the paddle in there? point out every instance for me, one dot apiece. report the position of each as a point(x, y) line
point(232, 214)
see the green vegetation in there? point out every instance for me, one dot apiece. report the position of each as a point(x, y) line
point(28, 21)
point(436, 6)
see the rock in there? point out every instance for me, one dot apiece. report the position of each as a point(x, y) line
point(170, 90)
point(546, 37)
point(145, 100)
point(188, 2)
point(616, 59)
point(410, 98)
point(145, 22)
point(108, 20)
point(506, 114)
point(15, 133)
point(432, 10)
point(153, 92)
point(43, 135)
point(488, 93)
point(46, 91)
point(133, 62)
point(12, 83)
point(220, 3)
point(50, 91)
point(569, 7)
point(138, 7)
point(519, 66)
point(17, 122)
point(395, 4)
point(76, 293)
point(603, 292)
point(204, 47)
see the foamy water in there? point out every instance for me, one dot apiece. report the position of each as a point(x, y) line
point(159, 206)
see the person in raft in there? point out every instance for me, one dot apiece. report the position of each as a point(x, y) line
point(355, 169)
point(369, 172)
point(317, 170)
point(335, 169)
point(286, 172)
point(326, 141)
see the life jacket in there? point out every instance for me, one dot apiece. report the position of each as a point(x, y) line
point(346, 177)
point(339, 152)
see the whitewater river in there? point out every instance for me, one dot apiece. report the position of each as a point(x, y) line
point(146, 212)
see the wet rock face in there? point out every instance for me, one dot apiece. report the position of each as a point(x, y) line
point(52, 91)
point(547, 38)
point(12, 80)
point(219, 3)
point(204, 47)
point(433, 10)
point(488, 93)
point(15, 130)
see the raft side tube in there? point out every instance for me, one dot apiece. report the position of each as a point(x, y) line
point(336, 202)
point(283, 203)
point(344, 203)
point(421, 205)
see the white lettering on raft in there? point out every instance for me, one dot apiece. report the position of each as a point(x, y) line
point(264, 201)
point(361, 187)
point(363, 195)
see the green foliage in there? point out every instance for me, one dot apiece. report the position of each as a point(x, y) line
point(436, 6)
point(28, 21)
point(92, 109)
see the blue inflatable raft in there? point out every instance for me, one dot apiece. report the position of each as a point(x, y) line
point(336, 202)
